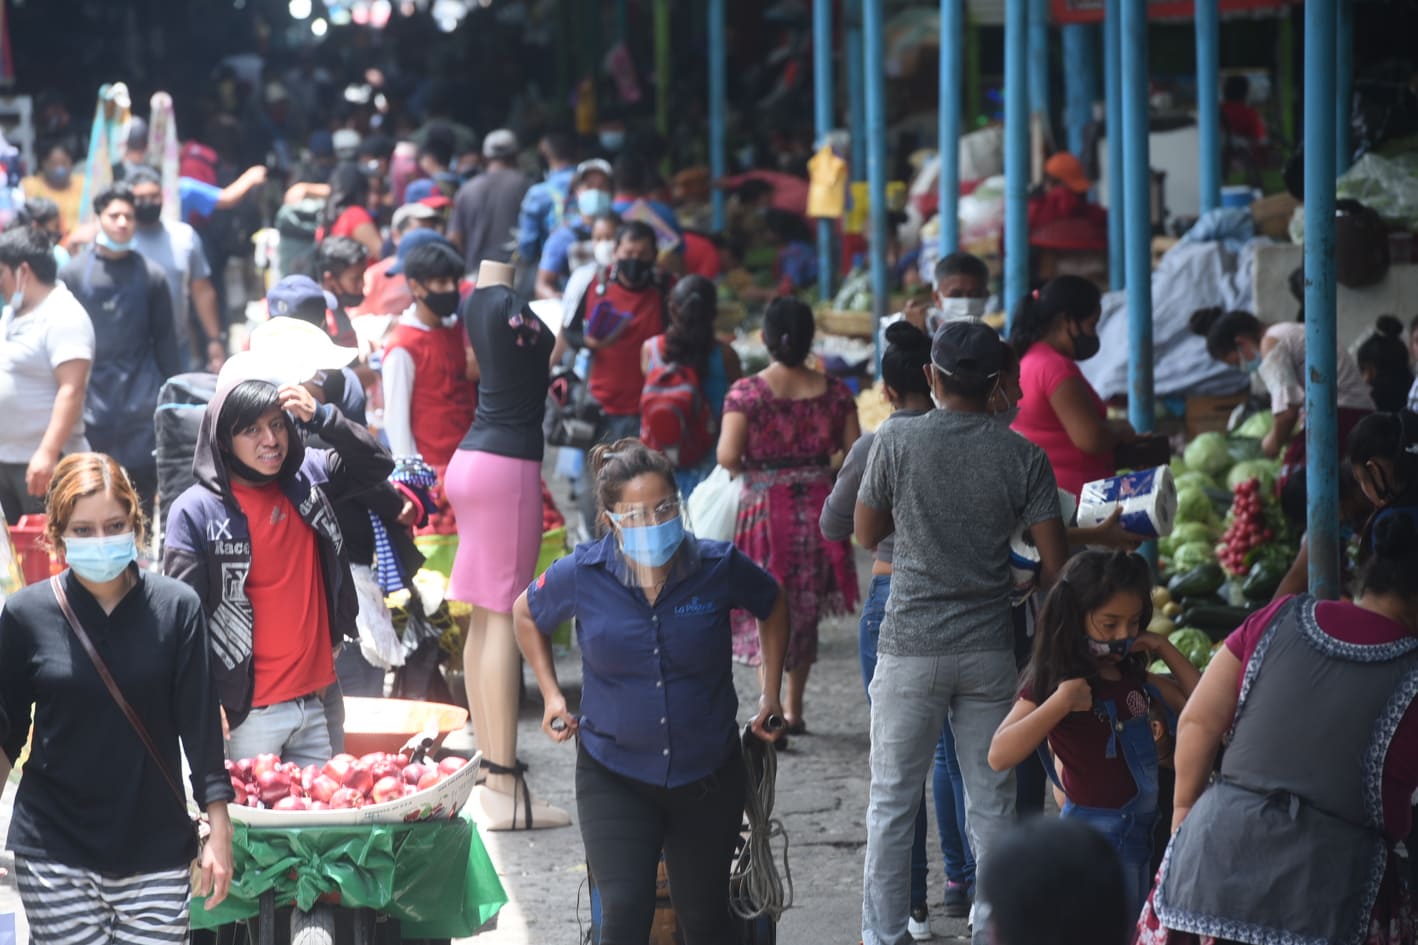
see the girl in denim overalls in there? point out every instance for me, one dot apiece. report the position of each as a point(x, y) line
point(1087, 692)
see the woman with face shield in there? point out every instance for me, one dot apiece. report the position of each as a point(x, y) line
point(658, 764)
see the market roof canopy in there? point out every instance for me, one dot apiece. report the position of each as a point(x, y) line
point(1091, 11)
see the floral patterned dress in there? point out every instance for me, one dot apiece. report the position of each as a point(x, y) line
point(787, 478)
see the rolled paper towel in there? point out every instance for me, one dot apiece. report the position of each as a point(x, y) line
point(1148, 499)
point(1024, 562)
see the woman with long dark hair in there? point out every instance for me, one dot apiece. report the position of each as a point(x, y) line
point(781, 429)
point(346, 211)
point(689, 340)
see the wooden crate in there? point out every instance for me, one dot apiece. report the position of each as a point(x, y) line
point(1209, 414)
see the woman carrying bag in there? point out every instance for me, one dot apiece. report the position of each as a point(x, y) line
point(102, 838)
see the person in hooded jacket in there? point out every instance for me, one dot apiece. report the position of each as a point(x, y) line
point(258, 539)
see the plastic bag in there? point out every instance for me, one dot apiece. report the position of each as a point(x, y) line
point(714, 506)
point(379, 642)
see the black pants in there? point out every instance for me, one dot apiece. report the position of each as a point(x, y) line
point(626, 823)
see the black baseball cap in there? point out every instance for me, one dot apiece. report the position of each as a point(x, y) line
point(973, 349)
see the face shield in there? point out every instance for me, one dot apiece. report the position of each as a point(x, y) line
point(654, 541)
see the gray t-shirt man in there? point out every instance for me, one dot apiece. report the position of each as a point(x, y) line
point(485, 215)
point(178, 252)
point(957, 486)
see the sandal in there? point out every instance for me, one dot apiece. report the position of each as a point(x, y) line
point(518, 771)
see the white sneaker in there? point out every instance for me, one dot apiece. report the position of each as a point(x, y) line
point(970, 922)
point(919, 924)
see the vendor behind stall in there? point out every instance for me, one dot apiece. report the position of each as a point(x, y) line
point(1277, 354)
point(1063, 195)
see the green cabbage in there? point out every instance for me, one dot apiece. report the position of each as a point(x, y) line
point(1195, 479)
point(1193, 505)
point(1265, 470)
point(1191, 555)
point(1194, 645)
point(1207, 454)
point(1257, 425)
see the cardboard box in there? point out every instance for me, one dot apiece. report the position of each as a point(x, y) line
point(1210, 414)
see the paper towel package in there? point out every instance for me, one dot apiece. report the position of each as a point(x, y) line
point(1148, 499)
point(1024, 563)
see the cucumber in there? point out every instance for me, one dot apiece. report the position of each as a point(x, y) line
point(1216, 622)
point(1203, 579)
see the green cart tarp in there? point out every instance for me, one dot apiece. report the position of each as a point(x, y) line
point(408, 871)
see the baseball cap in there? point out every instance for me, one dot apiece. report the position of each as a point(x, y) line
point(591, 167)
point(298, 349)
point(321, 143)
point(137, 134)
point(413, 211)
point(345, 142)
point(969, 348)
point(1068, 169)
point(501, 143)
point(437, 201)
point(412, 241)
point(295, 295)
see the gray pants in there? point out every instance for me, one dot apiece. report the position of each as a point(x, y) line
point(911, 697)
point(15, 496)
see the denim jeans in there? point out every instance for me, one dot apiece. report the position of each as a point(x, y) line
point(295, 730)
point(946, 784)
point(912, 697)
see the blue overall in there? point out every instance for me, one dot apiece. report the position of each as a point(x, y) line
point(1128, 828)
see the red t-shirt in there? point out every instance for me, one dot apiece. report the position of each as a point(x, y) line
point(290, 642)
point(1041, 371)
point(616, 378)
point(349, 220)
point(1243, 121)
point(1080, 746)
point(1351, 624)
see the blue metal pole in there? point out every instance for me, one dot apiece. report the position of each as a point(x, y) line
point(1137, 186)
point(1016, 154)
point(1039, 62)
point(1344, 84)
point(856, 86)
point(823, 115)
point(1113, 92)
point(1208, 100)
point(952, 64)
point(873, 40)
point(718, 84)
point(1080, 71)
point(1321, 411)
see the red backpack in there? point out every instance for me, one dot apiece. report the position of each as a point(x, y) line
point(674, 416)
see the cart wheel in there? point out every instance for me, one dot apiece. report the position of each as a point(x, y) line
point(315, 927)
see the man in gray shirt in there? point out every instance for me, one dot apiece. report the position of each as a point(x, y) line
point(485, 209)
point(953, 485)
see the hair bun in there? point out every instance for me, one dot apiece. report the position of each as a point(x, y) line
point(1203, 319)
point(1389, 326)
point(903, 334)
point(1396, 535)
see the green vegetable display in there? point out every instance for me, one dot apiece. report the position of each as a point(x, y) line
point(1215, 620)
point(1199, 480)
point(1243, 448)
point(1208, 454)
point(1191, 555)
point(1194, 505)
point(1265, 576)
point(1257, 425)
point(1194, 645)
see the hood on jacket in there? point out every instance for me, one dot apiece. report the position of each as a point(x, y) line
point(208, 462)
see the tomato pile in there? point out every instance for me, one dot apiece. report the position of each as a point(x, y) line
point(343, 783)
point(1248, 528)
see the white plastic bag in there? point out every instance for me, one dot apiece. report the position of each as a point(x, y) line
point(378, 640)
point(714, 506)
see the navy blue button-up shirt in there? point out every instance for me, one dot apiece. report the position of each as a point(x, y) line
point(657, 699)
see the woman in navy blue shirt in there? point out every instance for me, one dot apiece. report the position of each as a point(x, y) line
point(658, 764)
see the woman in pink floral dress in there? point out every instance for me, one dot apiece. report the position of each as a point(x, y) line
point(781, 429)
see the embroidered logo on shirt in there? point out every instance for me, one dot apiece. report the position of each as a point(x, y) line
point(694, 607)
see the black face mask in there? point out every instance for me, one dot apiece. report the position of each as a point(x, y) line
point(147, 212)
point(634, 273)
point(349, 299)
point(1085, 346)
point(442, 304)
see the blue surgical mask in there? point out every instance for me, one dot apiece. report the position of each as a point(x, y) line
point(108, 243)
point(1118, 648)
point(100, 559)
point(1251, 366)
point(612, 140)
point(593, 203)
point(652, 545)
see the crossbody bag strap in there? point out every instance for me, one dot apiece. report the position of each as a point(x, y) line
point(113, 689)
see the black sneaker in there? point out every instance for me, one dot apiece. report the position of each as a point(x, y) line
point(958, 898)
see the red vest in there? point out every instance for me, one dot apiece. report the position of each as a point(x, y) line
point(444, 401)
point(616, 379)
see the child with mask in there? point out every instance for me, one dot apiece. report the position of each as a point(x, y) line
point(1087, 692)
point(1276, 354)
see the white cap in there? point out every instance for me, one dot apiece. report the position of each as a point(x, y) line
point(501, 143)
point(291, 351)
point(345, 142)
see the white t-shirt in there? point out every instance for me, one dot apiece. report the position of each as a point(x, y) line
point(31, 347)
point(1283, 372)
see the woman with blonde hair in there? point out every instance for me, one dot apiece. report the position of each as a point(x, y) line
point(114, 662)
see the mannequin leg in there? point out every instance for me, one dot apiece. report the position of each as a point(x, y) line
point(474, 642)
point(501, 803)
